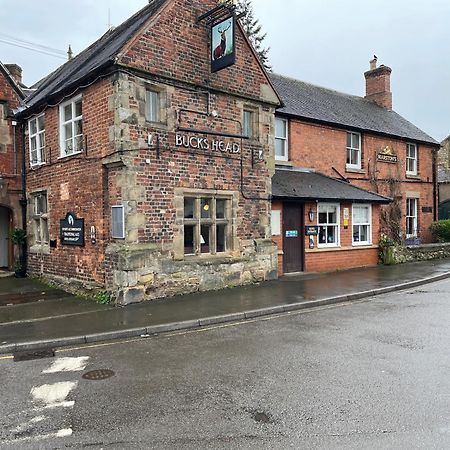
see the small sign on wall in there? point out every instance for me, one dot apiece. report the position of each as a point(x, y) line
point(292, 233)
point(312, 230)
point(72, 230)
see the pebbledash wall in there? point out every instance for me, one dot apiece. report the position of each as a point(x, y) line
point(175, 187)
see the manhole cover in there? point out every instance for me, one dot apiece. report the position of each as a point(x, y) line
point(99, 374)
point(261, 417)
point(35, 354)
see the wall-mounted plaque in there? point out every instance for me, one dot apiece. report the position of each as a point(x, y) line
point(291, 233)
point(427, 209)
point(387, 155)
point(311, 230)
point(72, 230)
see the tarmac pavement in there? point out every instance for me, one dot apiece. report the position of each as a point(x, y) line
point(34, 316)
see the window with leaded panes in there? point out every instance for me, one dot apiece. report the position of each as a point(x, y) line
point(206, 225)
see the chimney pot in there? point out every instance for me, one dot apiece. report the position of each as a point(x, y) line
point(15, 71)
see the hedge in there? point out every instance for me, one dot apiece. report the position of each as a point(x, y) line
point(441, 230)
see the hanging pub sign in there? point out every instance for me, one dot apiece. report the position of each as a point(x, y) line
point(72, 230)
point(387, 155)
point(223, 45)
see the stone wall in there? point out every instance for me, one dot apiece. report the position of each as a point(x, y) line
point(425, 252)
point(146, 272)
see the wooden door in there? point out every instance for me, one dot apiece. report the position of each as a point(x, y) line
point(4, 237)
point(293, 241)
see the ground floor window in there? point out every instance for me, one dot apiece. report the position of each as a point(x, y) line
point(361, 221)
point(40, 218)
point(207, 225)
point(328, 221)
point(411, 217)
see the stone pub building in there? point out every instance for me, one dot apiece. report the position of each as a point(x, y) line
point(149, 155)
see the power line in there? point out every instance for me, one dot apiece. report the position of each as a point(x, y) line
point(33, 44)
point(16, 44)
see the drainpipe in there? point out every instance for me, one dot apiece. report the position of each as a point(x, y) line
point(23, 200)
point(435, 187)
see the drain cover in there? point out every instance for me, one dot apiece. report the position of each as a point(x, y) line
point(35, 354)
point(99, 374)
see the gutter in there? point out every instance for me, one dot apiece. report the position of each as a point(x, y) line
point(23, 200)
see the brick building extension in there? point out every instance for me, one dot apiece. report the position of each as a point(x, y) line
point(355, 142)
point(11, 94)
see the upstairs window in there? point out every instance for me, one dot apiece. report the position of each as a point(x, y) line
point(153, 106)
point(40, 218)
point(362, 224)
point(281, 139)
point(71, 127)
point(207, 228)
point(36, 132)
point(328, 221)
point(411, 159)
point(248, 124)
point(353, 151)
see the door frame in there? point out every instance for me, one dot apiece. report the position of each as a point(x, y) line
point(301, 206)
point(10, 227)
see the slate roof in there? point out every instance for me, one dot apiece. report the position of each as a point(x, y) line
point(312, 102)
point(308, 185)
point(99, 55)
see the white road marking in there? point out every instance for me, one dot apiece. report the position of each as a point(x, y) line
point(53, 394)
point(38, 419)
point(68, 365)
point(64, 433)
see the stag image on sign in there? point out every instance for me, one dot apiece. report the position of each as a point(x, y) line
point(72, 230)
point(223, 44)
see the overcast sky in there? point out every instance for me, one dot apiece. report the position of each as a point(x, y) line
point(325, 42)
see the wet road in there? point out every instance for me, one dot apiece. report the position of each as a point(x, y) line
point(367, 375)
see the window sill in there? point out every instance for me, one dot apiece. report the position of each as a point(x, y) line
point(411, 176)
point(37, 165)
point(38, 249)
point(362, 244)
point(341, 249)
point(72, 154)
point(354, 170)
point(159, 125)
point(281, 162)
point(207, 259)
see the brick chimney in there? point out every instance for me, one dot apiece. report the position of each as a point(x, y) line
point(378, 85)
point(15, 71)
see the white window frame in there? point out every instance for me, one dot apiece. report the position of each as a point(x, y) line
point(413, 216)
point(411, 161)
point(337, 224)
point(152, 115)
point(73, 121)
point(39, 137)
point(351, 149)
point(284, 139)
point(362, 224)
point(122, 208)
point(40, 220)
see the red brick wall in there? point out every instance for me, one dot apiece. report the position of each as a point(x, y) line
point(346, 256)
point(323, 147)
point(74, 184)
point(185, 54)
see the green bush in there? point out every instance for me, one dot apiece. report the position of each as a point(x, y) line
point(441, 230)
